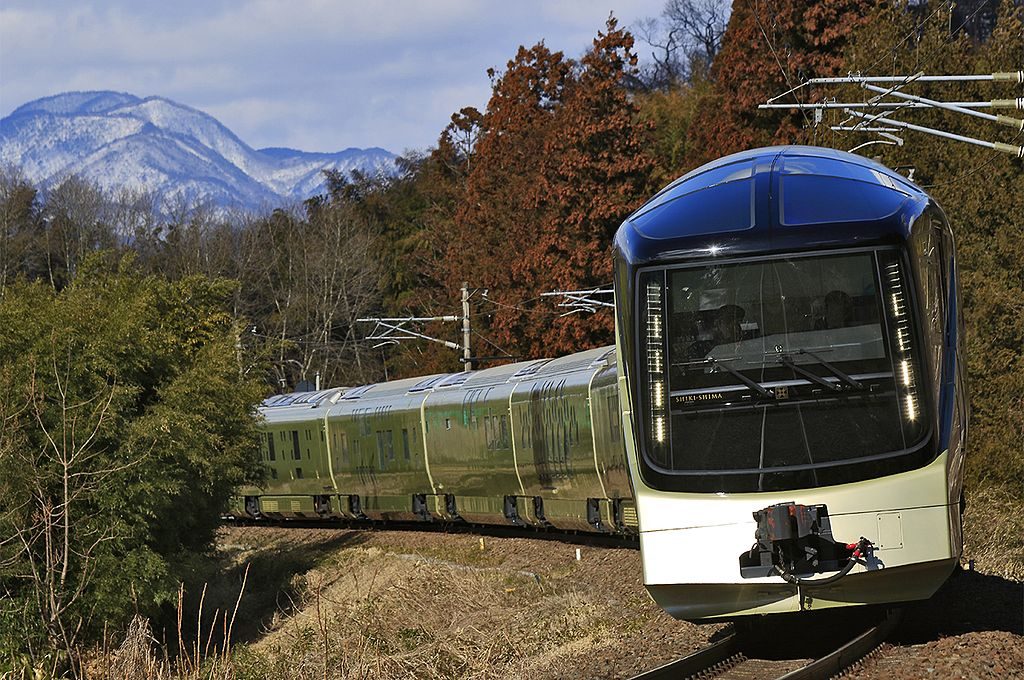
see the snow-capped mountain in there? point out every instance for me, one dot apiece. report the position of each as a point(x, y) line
point(120, 141)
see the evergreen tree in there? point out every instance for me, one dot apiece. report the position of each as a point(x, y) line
point(127, 419)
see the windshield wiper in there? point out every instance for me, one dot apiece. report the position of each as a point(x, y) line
point(841, 375)
point(742, 378)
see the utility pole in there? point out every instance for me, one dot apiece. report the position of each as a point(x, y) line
point(391, 331)
point(466, 353)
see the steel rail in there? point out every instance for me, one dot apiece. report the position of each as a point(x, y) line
point(721, 657)
point(569, 536)
point(850, 653)
point(701, 661)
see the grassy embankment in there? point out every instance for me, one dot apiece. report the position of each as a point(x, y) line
point(336, 603)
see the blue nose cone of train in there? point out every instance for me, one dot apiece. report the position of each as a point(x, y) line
point(770, 200)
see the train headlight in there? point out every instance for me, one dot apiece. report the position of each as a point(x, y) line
point(901, 324)
point(655, 345)
point(910, 407)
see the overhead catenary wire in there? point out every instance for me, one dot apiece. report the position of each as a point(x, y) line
point(583, 300)
point(993, 104)
point(911, 101)
point(1003, 77)
point(972, 171)
point(910, 34)
point(1012, 149)
point(952, 106)
point(505, 352)
point(888, 108)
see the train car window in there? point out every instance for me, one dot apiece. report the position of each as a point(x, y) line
point(298, 473)
point(723, 174)
point(270, 446)
point(356, 453)
point(389, 442)
point(296, 451)
point(344, 447)
point(780, 373)
point(380, 449)
point(273, 473)
point(505, 439)
point(405, 443)
point(844, 192)
point(447, 423)
point(524, 426)
point(321, 435)
point(613, 416)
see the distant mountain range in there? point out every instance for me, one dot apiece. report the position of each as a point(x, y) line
point(119, 140)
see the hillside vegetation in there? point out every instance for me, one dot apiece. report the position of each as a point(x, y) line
point(135, 347)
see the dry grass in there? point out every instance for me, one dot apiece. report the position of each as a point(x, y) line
point(994, 533)
point(385, 605)
point(392, 606)
point(381, 614)
point(141, 657)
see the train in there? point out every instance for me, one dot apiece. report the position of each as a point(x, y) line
point(781, 422)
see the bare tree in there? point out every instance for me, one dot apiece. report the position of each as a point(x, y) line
point(665, 67)
point(684, 40)
point(75, 217)
point(343, 280)
point(702, 23)
point(132, 215)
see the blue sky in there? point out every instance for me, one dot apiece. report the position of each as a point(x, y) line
point(317, 75)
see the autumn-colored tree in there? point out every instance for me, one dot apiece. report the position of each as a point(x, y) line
point(558, 164)
point(502, 208)
point(596, 172)
point(769, 47)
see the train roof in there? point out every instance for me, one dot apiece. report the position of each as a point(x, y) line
point(541, 368)
point(303, 399)
point(297, 405)
point(773, 199)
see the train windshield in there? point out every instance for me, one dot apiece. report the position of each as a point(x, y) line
point(779, 373)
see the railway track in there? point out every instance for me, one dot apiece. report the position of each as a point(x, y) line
point(736, 657)
point(583, 538)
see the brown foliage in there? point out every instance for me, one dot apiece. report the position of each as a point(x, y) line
point(768, 48)
point(559, 162)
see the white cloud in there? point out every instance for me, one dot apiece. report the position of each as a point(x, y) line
point(316, 74)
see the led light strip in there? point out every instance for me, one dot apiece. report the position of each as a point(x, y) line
point(902, 328)
point(656, 361)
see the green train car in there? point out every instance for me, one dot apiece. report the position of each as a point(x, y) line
point(537, 444)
